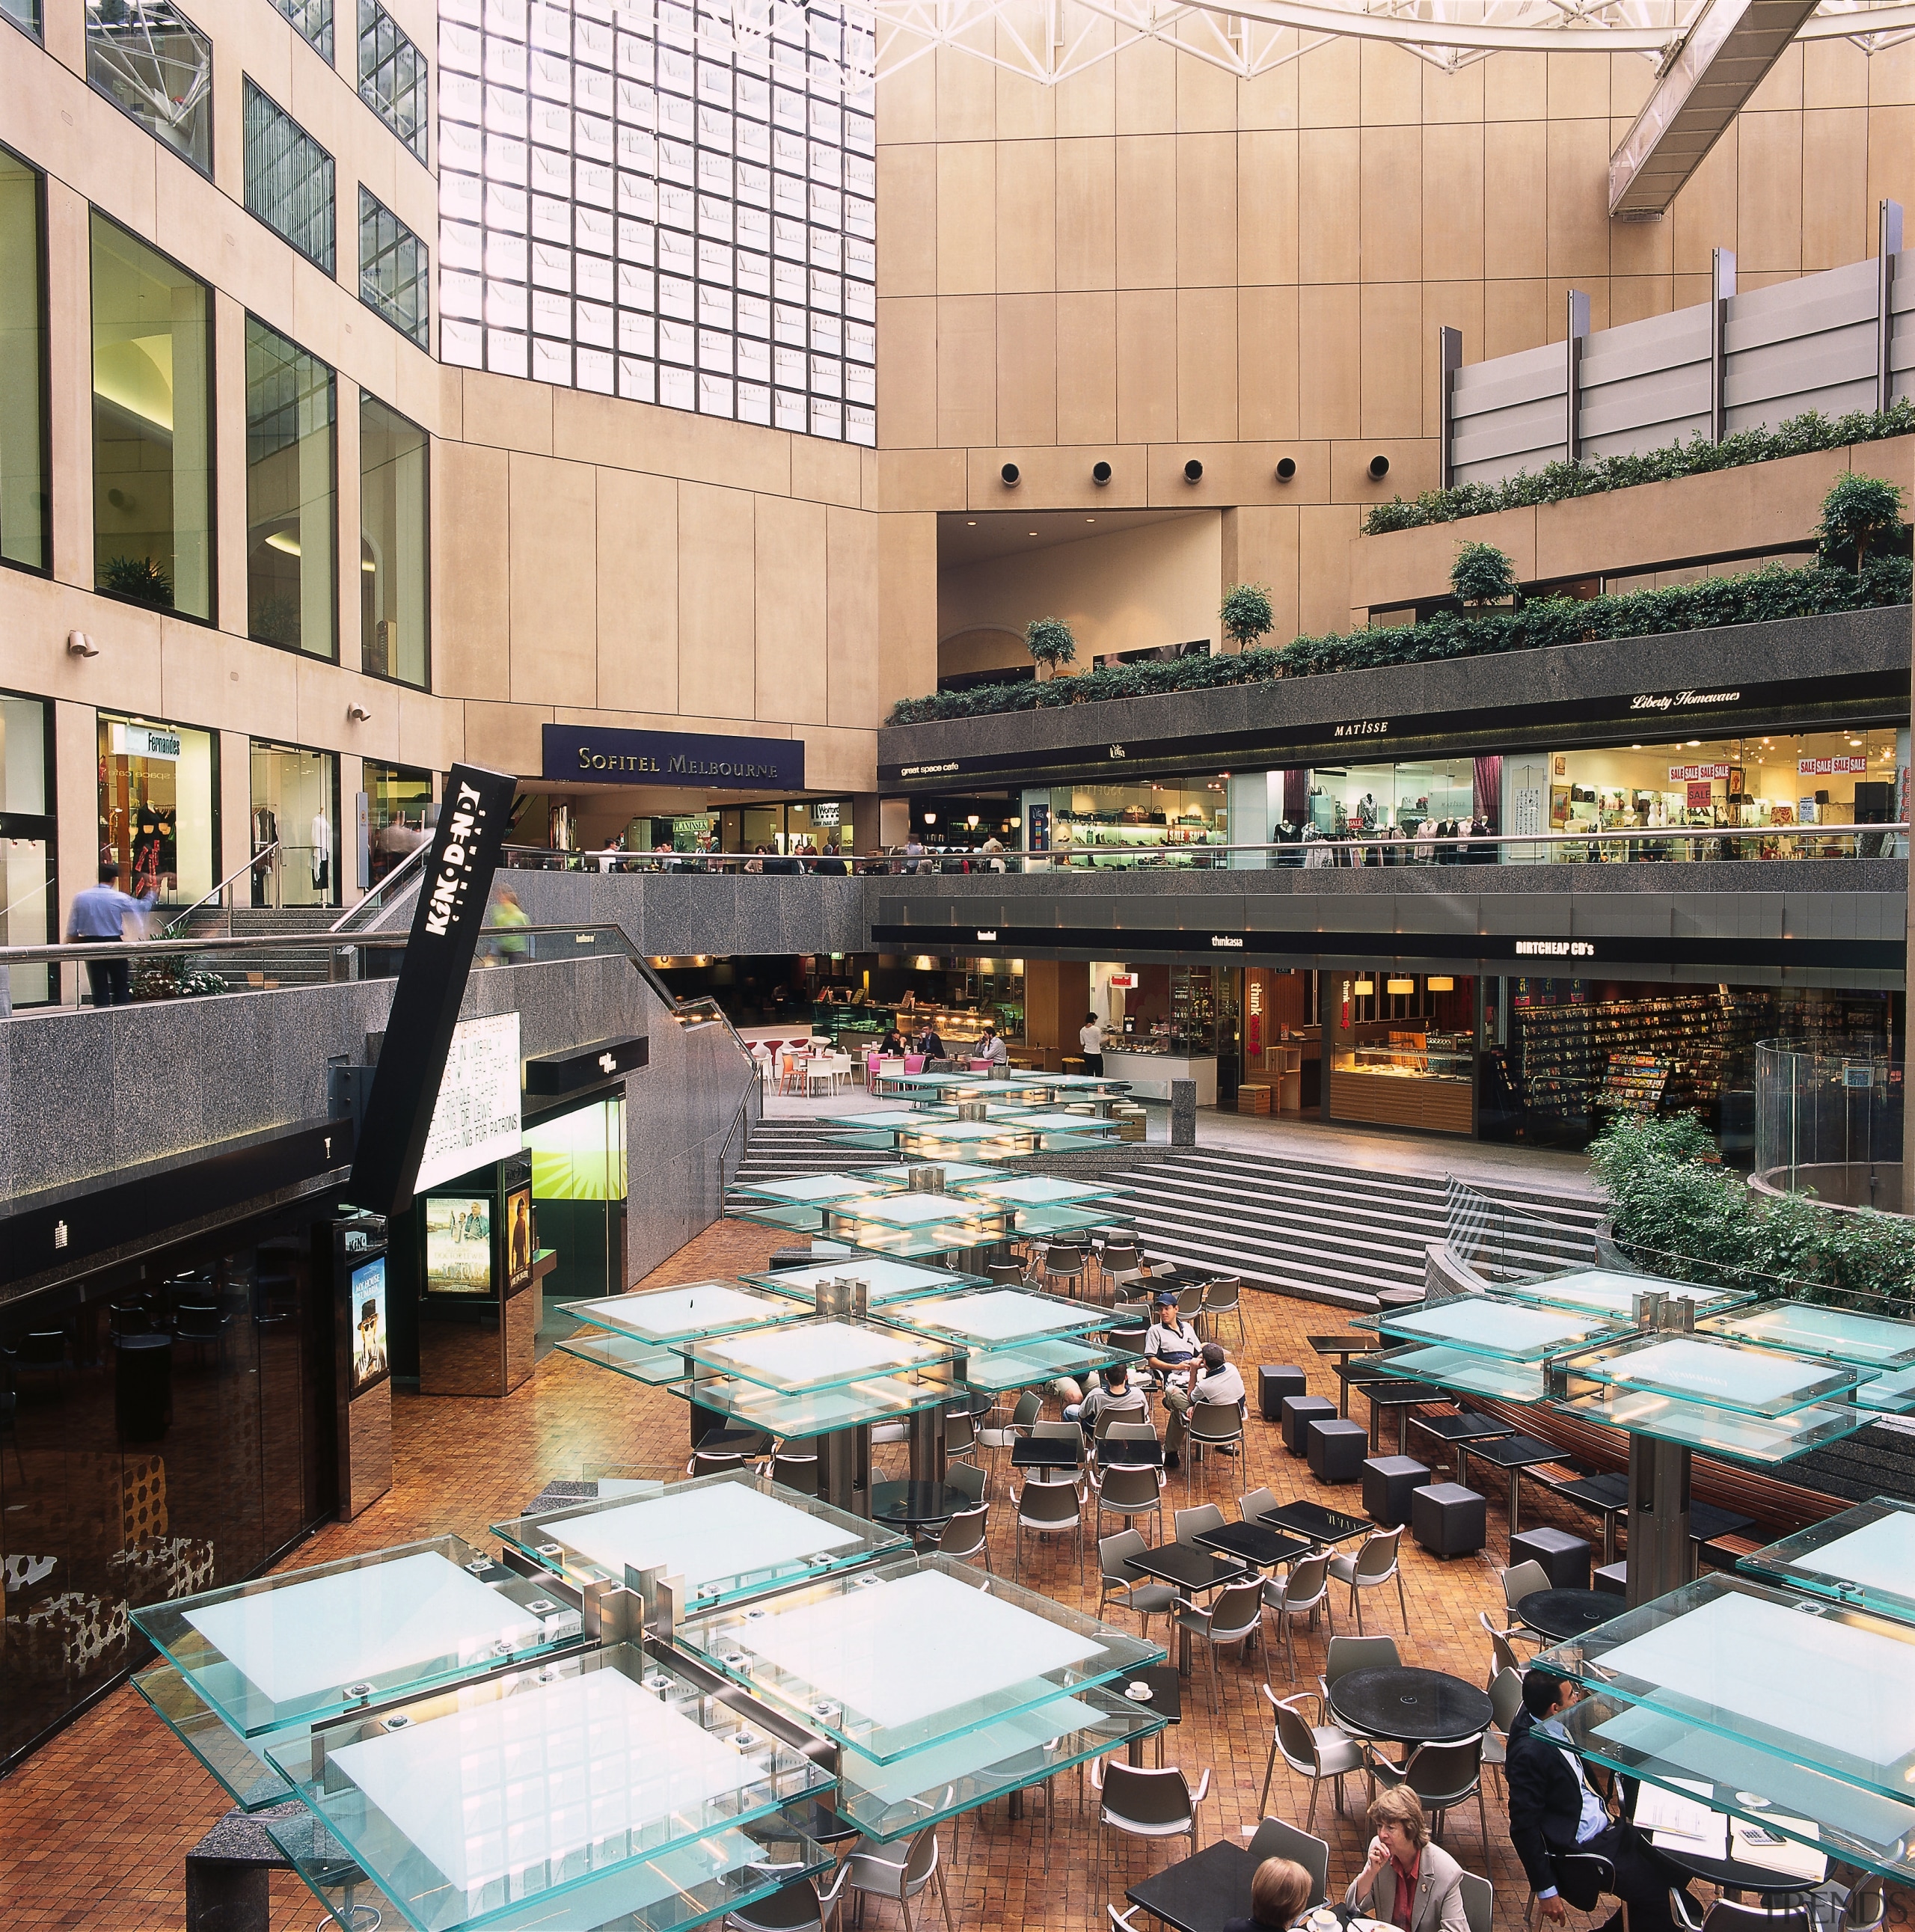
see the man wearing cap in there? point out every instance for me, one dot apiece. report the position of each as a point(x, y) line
point(1219, 1382)
point(1171, 1350)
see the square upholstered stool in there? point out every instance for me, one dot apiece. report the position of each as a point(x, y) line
point(1448, 1519)
point(1388, 1482)
point(1299, 1412)
point(1274, 1381)
point(1565, 1558)
point(1612, 1579)
point(1335, 1449)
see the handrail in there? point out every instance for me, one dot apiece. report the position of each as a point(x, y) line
point(414, 861)
point(173, 925)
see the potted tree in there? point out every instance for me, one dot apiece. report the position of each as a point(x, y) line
point(1051, 643)
point(1482, 575)
point(1246, 614)
point(1857, 514)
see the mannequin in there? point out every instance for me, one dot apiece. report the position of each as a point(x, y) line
point(322, 844)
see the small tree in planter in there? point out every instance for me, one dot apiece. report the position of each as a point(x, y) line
point(1481, 575)
point(1050, 643)
point(138, 579)
point(1856, 515)
point(1246, 614)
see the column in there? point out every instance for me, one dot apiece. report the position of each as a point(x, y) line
point(1661, 1557)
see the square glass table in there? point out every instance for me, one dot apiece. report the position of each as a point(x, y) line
point(890, 1660)
point(802, 1356)
point(1865, 1556)
point(1724, 1431)
point(821, 1190)
point(1613, 1291)
point(1055, 1120)
point(1508, 1332)
point(996, 1318)
point(1035, 1364)
point(516, 1794)
point(1041, 1190)
point(981, 1222)
point(1459, 1370)
point(884, 1281)
point(820, 1411)
point(641, 1336)
point(1702, 1369)
point(728, 1536)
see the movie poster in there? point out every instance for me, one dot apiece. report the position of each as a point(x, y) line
point(370, 1363)
point(518, 1239)
point(458, 1244)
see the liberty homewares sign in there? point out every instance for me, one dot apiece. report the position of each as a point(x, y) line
point(602, 755)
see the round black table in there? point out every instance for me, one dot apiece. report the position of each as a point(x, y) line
point(1410, 1706)
point(1559, 1614)
point(916, 1505)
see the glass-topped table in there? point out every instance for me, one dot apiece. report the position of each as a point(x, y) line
point(899, 1224)
point(1613, 1292)
point(1039, 1190)
point(884, 1281)
point(822, 1190)
point(996, 1318)
point(1883, 1349)
point(1506, 1332)
point(1865, 1556)
point(642, 1336)
point(729, 1537)
point(802, 1356)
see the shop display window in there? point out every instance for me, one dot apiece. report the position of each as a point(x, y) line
point(159, 786)
point(24, 521)
point(291, 583)
point(295, 826)
point(1402, 1048)
point(1400, 799)
point(394, 546)
point(27, 905)
point(1155, 824)
point(399, 814)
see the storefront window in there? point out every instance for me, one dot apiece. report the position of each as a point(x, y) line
point(1399, 799)
point(1116, 824)
point(816, 826)
point(294, 829)
point(1401, 1048)
point(152, 428)
point(27, 903)
point(398, 814)
point(159, 786)
point(23, 504)
point(394, 559)
point(290, 581)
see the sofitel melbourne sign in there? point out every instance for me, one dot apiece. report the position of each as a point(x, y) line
point(601, 754)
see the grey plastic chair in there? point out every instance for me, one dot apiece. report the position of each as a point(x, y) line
point(1304, 1590)
point(970, 1481)
point(1273, 1839)
point(1210, 1427)
point(1479, 1901)
point(1523, 1579)
point(1060, 1432)
point(1063, 1263)
point(1311, 1750)
point(960, 1435)
point(1147, 1804)
point(1255, 1503)
point(1006, 1274)
point(1506, 1700)
point(1443, 1776)
point(1234, 1615)
point(1143, 1594)
point(1375, 1564)
point(1187, 1525)
point(1046, 1509)
point(798, 1907)
point(966, 1535)
point(1129, 1490)
point(1503, 1653)
point(1224, 1297)
point(900, 1872)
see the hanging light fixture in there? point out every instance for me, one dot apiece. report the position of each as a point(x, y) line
point(1364, 988)
point(1400, 985)
point(1440, 982)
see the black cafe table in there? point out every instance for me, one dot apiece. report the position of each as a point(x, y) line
point(1047, 1452)
point(1560, 1615)
point(1343, 1347)
point(1254, 1543)
point(1512, 1454)
point(1607, 1496)
point(1202, 1893)
point(1129, 1452)
point(1189, 1571)
point(908, 1505)
point(1402, 1397)
point(1460, 1432)
point(1410, 1706)
point(1318, 1526)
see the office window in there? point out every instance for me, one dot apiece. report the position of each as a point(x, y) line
point(392, 76)
point(313, 19)
point(394, 546)
point(395, 271)
point(152, 427)
point(291, 582)
point(147, 57)
point(23, 499)
point(25, 14)
point(288, 178)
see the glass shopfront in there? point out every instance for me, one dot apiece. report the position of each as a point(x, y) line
point(295, 826)
point(28, 903)
point(399, 814)
point(807, 825)
point(159, 793)
point(1395, 800)
point(1148, 824)
point(578, 1187)
point(1401, 1048)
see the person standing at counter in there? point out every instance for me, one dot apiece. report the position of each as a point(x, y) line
point(1090, 1039)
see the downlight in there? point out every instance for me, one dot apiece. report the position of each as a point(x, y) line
point(1010, 472)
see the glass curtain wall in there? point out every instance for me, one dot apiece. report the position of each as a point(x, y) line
point(291, 581)
point(27, 902)
point(23, 501)
point(395, 558)
point(152, 427)
point(288, 178)
point(295, 821)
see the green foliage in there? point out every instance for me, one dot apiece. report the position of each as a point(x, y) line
point(1245, 613)
point(1859, 515)
point(1482, 574)
point(138, 579)
point(1759, 597)
point(275, 620)
point(176, 979)
point(1557, 482)
point(1049, 641)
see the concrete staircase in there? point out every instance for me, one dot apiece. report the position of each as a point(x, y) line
point(287, 965)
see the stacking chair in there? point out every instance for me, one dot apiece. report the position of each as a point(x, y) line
point(1584, 1878)
point(1144, 1595)
point(960, 1435)
point(1211, 1426)
point(1147, 1804)
point(1344, 1654)
point(798, 1907)
point(968, 1479)
point(1187, 1525)
point(1255, 1503)
point(1224, 1297)
point(900, 1872)
point(1506, 1700)
point(1189, 1305)
point(1064, 1261)
point(1312, 1750)
point(1129, 1490)
point(1443, 1776)
point(1520, 1580)
point(966, 1535)
point(1503, 1653)
point(1046, 1508)
point(1479, 1901)
point(1234, 1616)
point(1273, 1839)
point(1068, 1431)
point(792, 1465)
point(1119, 1262)
point(1300, 1594)
point(1006, 1274)
point(1002, 1434)
point(1376, 1563)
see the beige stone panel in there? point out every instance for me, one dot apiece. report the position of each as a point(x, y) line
point(1147, 211)
point(1516, 315)
point(230, 512)
point(1057, 478)
point(907, 219)
point(1392, 359)
point(1458, 305)
point(431, 730)
point(851, 628)
point(613, 434)
point(1086, 103)
point(1206, 97)
point(967, 218)
point(207, 676)
point(1323, 539)
point(1578, 86)
point(235, 802)
point(1891, 154)
point(1632, 81)
point(1892, 76)
point(967, 370)
point(907, 103)
point(907, 608)
point(1027, 368)
point(1578, 198)
point(1086, 190)
point(1267, 206)
point(1267, 363)
point(553, 508)
point(1329, 246)
point(1146, 88)
point(1892, 460)
point(217, 239)
point(471, 575)
point(637, 591)
point(37, 616)
point(1260, 547)
point(908, 371)
point(427, 392)
point(1329, 363)
point(1026, 111)
point(842, 761)
point(1402, 565)
point(508, 413)
point(507, 737)
point(1146, 365)
point(47, 111)
point(1631, 298)
point(1453, 98)
point(1515, 86)
point(1780, 91)
point(1703, 216)
point(1026, 217)
point(1413, 464)
point(1087, 368)
point(1516, 159)
point(967, 97)
point(1838, 222)
point(1330, 84)
point(868, 472)
point(1270, 100)
point(326, 693)
point(69, 340)
point(827, 472)
point(793, 678)
point(1206, 363)
point(1234, 474)
point(1834, 74)
point(1769, 213)
point(1686, 291)
point(1392, 84)
point(921, 479)
point(1392, 229)
point(1207, 224)
point(1638, 248)
point(717, 650)
point(1454, 216)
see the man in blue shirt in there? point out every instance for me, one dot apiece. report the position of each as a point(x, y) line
point(100, 913)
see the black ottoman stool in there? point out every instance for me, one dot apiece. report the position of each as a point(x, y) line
point(1298, 1412)
point(1388, 1482)
point(1565, 1558)
point(1448, 1519)
point(1335, 1448)
point(1612, 1579)
point(1274, 1382)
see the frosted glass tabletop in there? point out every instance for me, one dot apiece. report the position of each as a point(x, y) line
point(822, 1189)
point(1032, 1190)
point(821, 1411)
point(1459, 1368)
point(1865, 1555)
point(883, 1280)
point(679, 1314)
point(1863, 1341)
point(1893, 1392)
point(1080, 1124)
point(1022, 1365)
point(293, 1649)
point(814, 1354)
point(1611, 1292)
point(995, 1316)
point(875, 1117)
point(1753, 1381)
point(1727, 1432)
point(921, 1210)
point(890, 1661)
point(1485, 1327)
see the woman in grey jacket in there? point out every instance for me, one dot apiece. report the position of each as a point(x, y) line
point(1407, 1880)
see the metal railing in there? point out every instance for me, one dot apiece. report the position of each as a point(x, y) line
point(218, 895)
point(406, 872)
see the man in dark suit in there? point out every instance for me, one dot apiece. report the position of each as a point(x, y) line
point(1554, 1809)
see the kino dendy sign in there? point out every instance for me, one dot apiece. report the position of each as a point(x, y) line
point(600, 754)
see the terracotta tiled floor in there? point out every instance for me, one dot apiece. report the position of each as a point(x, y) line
point(94, 1829)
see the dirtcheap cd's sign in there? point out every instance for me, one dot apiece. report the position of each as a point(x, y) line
point(598, 755)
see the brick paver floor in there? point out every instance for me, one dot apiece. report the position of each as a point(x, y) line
point(95, 1828)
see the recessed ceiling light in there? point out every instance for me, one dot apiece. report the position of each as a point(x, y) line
point(1635, 747)
point(1090, 520)
point(972, 525)
point(1030, 533)
point(1694, 743)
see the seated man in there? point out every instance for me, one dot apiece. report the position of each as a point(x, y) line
point(1219, 1382)
point(991, 1049)
point(1554, 1809)
point(1113, 1392)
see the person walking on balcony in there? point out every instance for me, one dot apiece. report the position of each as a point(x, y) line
point(101, 912)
